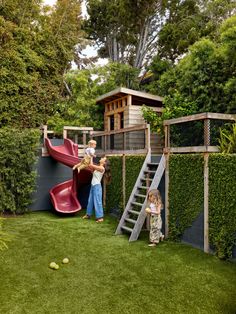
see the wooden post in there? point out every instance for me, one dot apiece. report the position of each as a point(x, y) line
point(105, 144)
point(129, 100)
point(76, 138)
point(45, 132)
point(147, 138)
point(123, 180)
point(206, 203)
point(167, 156)
point(165, 131)
point(64, 133)
point(84, 139)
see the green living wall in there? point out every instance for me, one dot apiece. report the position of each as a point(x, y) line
point(133, 165)
point(185, 192)
point(186, 198)
point(222, 203)
point(17, 178)
point(114, 194)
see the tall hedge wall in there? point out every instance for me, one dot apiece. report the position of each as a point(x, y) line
point(133, 164)
point(222, 203)
point(186, 192)
point(114, 194)
point(186, 197)
point(17, 178)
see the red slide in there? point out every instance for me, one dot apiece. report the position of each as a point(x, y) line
point(64, 195)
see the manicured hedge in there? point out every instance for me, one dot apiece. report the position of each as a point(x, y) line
point(186, 198)
point(185, 192)
point(17, 178)
point(114, 194)
point(133, 164)
point(222, 203)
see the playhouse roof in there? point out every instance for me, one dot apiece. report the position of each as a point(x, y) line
point(138, 97)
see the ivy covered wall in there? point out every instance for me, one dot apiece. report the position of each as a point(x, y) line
point(133, 164)
point(185, 192)
point(222, 203)
point(186, 198)
point(114, 191)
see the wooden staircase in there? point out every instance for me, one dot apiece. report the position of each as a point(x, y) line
point(134, 214)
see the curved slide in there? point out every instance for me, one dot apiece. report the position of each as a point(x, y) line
point(64, 195)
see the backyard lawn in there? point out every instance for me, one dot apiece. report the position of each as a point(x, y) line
point(106, 273)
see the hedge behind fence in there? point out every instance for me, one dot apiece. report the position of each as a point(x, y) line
point(17, 179)
point(187, 199)
point(114, 197)
point(185, 192)
point(222, 203)
point(133, 164)
point(114, 194)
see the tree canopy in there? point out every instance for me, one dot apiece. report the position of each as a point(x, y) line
point(204, 80)
point(37, 46)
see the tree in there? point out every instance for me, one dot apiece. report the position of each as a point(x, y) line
point(189, 20)
point(124, 30)
point(37, 46)
point(204, 80)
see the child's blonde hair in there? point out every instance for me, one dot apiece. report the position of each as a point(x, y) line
point(157, 195)
point(92, 142)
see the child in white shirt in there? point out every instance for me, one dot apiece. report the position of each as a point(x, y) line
point(88, 157)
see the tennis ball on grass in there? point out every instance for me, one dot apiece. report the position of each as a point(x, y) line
point(52, 265)
point(65, 260)
point(56, 267)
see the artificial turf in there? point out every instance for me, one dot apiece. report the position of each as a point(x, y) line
point(106, 273)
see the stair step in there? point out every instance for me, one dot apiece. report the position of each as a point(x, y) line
point(143, 187)
point(140, 195)
point(150, 171)
point(146, 179)
point(133, 212)
point(131, 220)
point(127, 228)
point(136, 203)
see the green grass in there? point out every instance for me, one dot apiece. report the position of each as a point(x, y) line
point(106, 273)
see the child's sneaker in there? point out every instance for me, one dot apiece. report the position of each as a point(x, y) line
point(162, 237)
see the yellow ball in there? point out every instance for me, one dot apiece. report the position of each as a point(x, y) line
point(56, 267)
point(52, 265)
point(65, 260)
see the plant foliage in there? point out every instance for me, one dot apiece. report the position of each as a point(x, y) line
point(37, 45)
point(133, 164)
point(227, 140)
point(114, 197)
point(185, 192)
point(17, 177)
point(222, 203)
